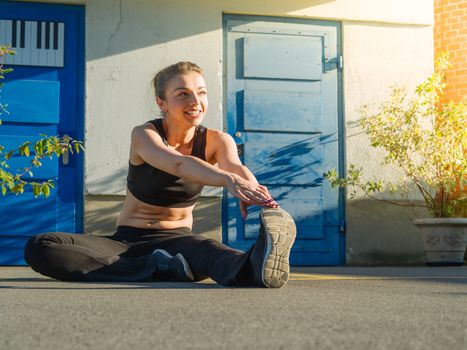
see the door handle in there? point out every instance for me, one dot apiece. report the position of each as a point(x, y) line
point(66, 151)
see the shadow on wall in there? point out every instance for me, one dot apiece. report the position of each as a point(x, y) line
point(125, 21)
point(102, 212)
point(116, 181)
point(382, 234)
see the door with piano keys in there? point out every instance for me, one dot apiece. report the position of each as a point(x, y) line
point(44, 95)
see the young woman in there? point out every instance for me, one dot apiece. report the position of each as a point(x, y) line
point(170, 160)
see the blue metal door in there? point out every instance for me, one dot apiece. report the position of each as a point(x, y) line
point(44, 95)
point(283, 111)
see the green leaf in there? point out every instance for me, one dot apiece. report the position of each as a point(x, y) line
point(36, 190)
point(45, 190)
point(3, 190)
point(9, 154)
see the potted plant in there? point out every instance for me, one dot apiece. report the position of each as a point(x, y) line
point(425, 136)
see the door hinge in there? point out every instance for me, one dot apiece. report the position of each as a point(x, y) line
point(340, 62)
point(342, 227)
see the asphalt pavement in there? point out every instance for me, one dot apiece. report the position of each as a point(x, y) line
point(320, 308)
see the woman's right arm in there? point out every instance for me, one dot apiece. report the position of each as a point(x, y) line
point(148, 145)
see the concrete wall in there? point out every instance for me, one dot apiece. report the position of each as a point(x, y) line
point(385, 43)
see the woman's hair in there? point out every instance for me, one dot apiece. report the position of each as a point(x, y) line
point(162, 78)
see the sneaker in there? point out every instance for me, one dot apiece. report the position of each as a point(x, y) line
point(271, 251)
point(171, 268)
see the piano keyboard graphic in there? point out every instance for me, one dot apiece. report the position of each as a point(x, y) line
point(36, 43)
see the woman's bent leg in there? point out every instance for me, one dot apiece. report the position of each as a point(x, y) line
point(207, 257)
point(66, 256)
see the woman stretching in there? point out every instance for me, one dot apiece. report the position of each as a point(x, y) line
point(170, 160)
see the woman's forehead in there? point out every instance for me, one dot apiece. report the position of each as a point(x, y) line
point(190, 80)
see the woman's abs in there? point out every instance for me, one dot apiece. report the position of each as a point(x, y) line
point(139, 214)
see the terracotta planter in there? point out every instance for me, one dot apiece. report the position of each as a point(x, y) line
point(444, 240)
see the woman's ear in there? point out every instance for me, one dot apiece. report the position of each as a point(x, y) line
point(162, 104)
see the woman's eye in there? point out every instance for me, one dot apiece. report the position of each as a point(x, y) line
point(203, 92)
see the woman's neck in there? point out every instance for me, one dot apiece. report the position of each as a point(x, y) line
point(178, 134)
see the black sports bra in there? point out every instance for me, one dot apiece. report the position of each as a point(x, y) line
point(154, 186)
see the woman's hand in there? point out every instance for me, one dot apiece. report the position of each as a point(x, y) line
point(249, 193)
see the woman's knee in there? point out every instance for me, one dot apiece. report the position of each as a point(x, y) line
point(35, 245)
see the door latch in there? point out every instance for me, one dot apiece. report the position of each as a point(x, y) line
point(66, 151)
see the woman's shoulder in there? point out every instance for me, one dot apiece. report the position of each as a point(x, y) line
point(217, 133)
point(152, 129)
point(218, 140)
point(150, 124)
point(215, 136)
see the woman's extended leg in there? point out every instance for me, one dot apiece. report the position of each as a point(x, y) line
point(66, 256)
point(266, 264)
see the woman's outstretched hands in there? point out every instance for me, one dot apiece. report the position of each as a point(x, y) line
point(249, 193)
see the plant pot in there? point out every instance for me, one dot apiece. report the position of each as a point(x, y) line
point(444, 240)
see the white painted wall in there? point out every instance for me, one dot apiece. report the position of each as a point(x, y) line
point(129, 41)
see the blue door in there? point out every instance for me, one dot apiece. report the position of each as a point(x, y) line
point(44, 95)
point(283, 109)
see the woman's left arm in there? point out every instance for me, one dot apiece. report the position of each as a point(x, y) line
point(226, 156)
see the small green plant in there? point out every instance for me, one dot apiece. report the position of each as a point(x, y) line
point(46, 147)
point(426, 138)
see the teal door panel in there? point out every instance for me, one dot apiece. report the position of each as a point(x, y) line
point(32, 101)
point(303, 52)
point(283, 112)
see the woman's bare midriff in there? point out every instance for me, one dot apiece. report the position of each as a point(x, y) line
point(139, 214)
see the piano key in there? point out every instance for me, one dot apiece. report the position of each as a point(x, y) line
point(47, 35)
point(55, 46)
point(31, 42)
point(3, 31)
point(51, 51)
point(13, 31)
point(43, 52)
point(8, 30)
point(22, 35)
point(61, 45)
point(39, 35)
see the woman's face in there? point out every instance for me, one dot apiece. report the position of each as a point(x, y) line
point(185, 99)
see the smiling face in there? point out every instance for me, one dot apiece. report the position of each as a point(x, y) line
point(185, 99)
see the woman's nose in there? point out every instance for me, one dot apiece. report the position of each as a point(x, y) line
point(195, 98)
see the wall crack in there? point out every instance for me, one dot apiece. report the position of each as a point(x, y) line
point(117, 29)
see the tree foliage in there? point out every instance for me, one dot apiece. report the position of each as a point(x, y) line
point(13, 180)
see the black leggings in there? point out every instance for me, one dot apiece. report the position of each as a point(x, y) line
point(127, 256)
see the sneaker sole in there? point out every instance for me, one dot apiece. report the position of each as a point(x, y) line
point(186, 267)
point(280, 232)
